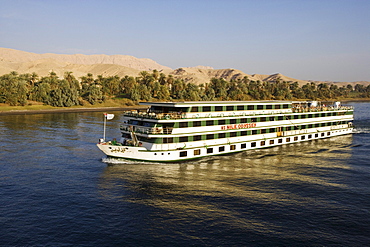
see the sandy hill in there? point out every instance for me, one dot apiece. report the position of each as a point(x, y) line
point(120, 65)
point(15, 56)
point(200, 75)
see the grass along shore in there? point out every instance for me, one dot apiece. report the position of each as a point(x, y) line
point(37, 107)
point(110, 105)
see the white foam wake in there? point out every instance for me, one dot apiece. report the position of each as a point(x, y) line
point(361, 131)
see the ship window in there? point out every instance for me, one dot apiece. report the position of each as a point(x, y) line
point(244, 145)
point(183, 124)
point(210, 136)
point(272, 130)
point(218, 108)
point(280, 140)
point(221, 149)
point(316, 135)
point(310, 115)
point(209, 122)
point(168, 140)
point(232, 147)
point(277, 106)
point(287, 139)
point(259, 107)
point(262, 119)
point(296, 138)
point(229, 108)
point(233, 134)
point(221, 135)
point(271, 142)
point(317, 115)
point(183, 153)
point(221, 122)
point(322, 134)
point(250, 107)
point(240, 108)
point(263, 143)
point(280, 118)
point(197, 152)
point(244, 133)
point(310, 126)
point(253, 144)
point(272, 118)
point(197, 138)
point(194, 109)
point(303, 137)
point(285, 106)
point(232, 121)
point(148, 124)
point(183, 138)
point(206, 108)
point(263, 131)
point(243, 120)
point(268, 107)
point(309, 136)
point(328, 133)
point(209, 150)
point(254, 132)
point(253, 120)
point(197, 123)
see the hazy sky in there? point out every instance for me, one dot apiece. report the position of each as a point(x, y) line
point(303, 39)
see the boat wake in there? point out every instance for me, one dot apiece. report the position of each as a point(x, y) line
point(118, 161)
point(361, 131)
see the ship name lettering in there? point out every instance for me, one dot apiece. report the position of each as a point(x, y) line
point(238, 126)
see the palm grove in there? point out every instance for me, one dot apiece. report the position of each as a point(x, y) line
point(18, 89)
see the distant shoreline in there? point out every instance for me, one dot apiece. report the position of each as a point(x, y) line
point(103, 109)
point(68, 110)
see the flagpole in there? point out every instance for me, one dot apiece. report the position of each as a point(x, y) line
point(105, 120)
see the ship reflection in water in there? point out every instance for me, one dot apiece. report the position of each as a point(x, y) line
point(290, 194)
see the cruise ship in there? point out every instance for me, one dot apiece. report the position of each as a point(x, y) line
point(180, 131)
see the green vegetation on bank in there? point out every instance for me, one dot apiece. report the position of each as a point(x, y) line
point(23, 89)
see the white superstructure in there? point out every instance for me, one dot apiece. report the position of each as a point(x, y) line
point(177, 131)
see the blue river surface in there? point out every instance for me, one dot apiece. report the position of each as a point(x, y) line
point(57, 189)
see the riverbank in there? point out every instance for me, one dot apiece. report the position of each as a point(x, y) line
point(62, 110)
point(41, 109)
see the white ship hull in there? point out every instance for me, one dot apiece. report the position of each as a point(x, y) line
point(142, 154)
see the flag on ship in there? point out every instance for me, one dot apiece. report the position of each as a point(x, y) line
point(109, 116)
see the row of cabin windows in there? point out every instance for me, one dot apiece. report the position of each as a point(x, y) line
point(237, 108)
point(221, 122)
point(210, 150)
point(315, 115)
point(238, 120)
point(236, 133)
point(253, 144)
point(250, 120)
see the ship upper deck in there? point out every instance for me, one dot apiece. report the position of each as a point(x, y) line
point(222, 109)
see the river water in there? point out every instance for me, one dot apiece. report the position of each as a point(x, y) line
point(55, 190)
